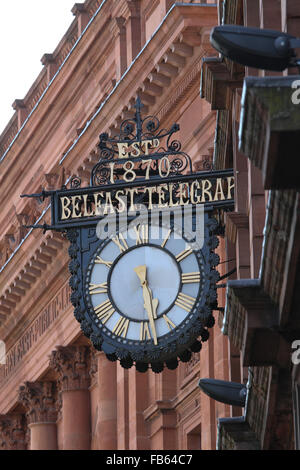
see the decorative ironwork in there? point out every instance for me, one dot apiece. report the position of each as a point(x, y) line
point(207, 165)
point(204, 165)
point(141, 167)
point(75, 182)
point(136, 131)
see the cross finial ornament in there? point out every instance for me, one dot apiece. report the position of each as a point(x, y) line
point(138, 104)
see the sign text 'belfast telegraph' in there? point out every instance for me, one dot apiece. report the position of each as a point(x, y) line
point(100, 203)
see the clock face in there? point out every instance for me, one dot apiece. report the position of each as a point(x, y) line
point(143, 289)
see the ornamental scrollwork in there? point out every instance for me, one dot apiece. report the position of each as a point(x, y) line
point(140, 140)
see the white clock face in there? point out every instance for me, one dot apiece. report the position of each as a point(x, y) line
point(143, 286)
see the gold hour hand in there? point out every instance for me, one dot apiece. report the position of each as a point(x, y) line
point(154, 307)
point(150, 304)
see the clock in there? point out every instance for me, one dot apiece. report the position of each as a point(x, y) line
point(147, 295)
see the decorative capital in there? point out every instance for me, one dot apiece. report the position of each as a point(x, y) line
point(94, 368)
point(18, 104)
point(134, 7)
point(78, 8)
point(72, 365)
point(47, 59)
point(21, 231)
point(12, 432)
point(51, 180)
point(20, 107)
point(234, 222)
point(39, 400)
point(117, 25)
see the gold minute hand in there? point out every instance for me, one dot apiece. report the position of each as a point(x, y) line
point(150, 304)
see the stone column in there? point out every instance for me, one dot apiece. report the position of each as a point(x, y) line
point(138, 402)
point(22, 112)
point(107, 414)
point(72, 365)
point(122, 408)
point(118, 30)
point(13, 432)
point(133, 29)
point(39, 400)
point(94, 398)
point(160, 417)
point(48, 61)
point(82, 16)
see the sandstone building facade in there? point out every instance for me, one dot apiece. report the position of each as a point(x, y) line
point(257, 132)
point(112, 52)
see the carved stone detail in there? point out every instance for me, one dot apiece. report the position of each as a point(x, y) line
point(12, 432)
point(94, 367)
point(39, 400)
point(35, 210)
point(21, 231)
point(51, 180)
point(189, 366)
point(134, 8)
point(72, 365)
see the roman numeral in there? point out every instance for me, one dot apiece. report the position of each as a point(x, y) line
point(184, 254)
point(185, 301)
point(121, 327)
point(189, 278)
point(120, 241)
point(144, 332)
point(169, 322)
point(104, 311)
point(99, 260)
point(98, 288)
point(142, 234)
point(166, 238)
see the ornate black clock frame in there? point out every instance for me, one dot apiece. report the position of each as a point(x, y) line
point(180, 342)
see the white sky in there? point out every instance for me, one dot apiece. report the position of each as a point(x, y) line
point(28, 30)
